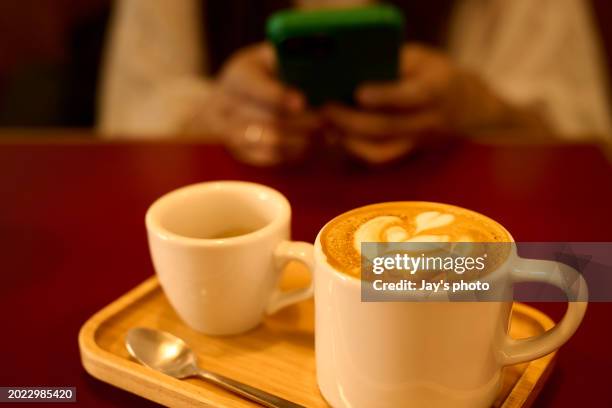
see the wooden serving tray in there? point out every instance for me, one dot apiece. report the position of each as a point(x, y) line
point(278, 356)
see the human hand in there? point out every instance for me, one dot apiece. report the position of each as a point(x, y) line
point(262, 121)
point(432, 99)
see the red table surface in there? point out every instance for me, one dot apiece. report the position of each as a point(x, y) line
point(72, 236)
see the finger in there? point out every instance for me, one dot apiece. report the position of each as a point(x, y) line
point(413, 58)
point(230, 109)
point(267, 145)
point(407, 94)
point(249, 112)
point(351, 121)
point(252, 75)
point(265, 57)
point(379, 153)
point(375, 125)
point(306, 121)
point(254, 144)
point(258, 88)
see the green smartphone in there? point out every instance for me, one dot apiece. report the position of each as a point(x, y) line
point(327, 53)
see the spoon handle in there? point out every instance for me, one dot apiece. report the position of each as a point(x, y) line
point(254, 394)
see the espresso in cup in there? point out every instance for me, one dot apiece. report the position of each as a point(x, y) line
point(219, 248)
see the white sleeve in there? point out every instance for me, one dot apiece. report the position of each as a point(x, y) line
point(543, 53)
point(152, 76)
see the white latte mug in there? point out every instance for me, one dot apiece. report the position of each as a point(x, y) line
point(218, 249)
point(427, 354)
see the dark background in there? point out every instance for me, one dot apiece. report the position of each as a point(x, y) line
point(50, 53)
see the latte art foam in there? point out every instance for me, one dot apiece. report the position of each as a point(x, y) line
point(403, 222)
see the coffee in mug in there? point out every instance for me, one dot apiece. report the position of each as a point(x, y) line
point(422, 354)
point(420, 222)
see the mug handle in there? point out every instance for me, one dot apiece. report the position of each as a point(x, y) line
point(292, 251)
point(565, 278)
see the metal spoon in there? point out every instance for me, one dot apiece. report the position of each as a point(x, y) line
point(167, 353)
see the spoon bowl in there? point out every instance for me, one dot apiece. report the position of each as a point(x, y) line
point(162, 351)
point(170, 355)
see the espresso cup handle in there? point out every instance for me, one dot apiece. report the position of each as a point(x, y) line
point(292, 251)
point(565, 278)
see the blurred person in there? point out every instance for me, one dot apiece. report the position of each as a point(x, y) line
point(200, 69)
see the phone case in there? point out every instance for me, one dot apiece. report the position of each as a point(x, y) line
point(327, 53)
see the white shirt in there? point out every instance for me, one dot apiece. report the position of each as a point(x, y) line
point(542, 53)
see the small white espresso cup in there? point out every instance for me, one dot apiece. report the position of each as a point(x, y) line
point(426, 354)
point(219, 248)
